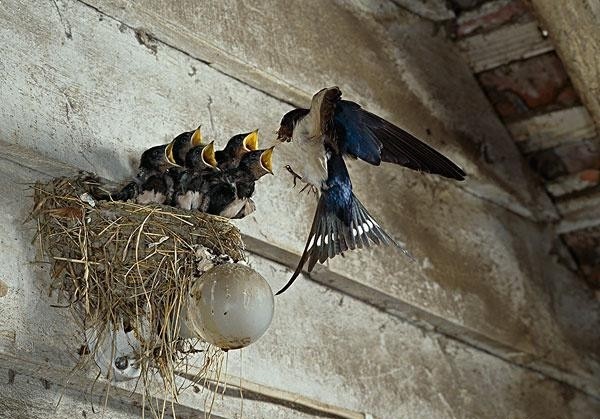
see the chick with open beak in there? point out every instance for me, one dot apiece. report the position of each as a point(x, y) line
point(155, 160)
point(202, 158)
point(255, 164)
point(179, 147)
point(237, 146)
point(154, 163)
point(231, 191)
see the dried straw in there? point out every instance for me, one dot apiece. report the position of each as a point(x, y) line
point(119, 261)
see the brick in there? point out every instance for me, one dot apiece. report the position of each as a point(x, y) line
point(490, 16)
point(525, 88)
point(574, 182)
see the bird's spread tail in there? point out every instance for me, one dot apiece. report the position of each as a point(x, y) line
point(330, 236)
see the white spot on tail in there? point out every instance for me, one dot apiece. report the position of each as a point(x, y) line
point(311, 242)
point(319, 241)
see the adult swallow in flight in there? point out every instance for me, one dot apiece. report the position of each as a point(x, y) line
point(322, 136)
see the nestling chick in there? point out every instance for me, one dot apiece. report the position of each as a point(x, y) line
point(182, 144)
point(157, 189)
point(236, 147)
point(192, 187)
point(153, 162)
point(230, 192)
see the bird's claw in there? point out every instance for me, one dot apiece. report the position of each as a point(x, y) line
point(295, 175)
point(311, 188)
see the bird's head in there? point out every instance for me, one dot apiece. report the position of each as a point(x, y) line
point(240, 144)
point(244, 142)
point(179, 147)
point(288, 122)
point(202, 157)
point(258, 162)
point(156, 159)
point(188, 139)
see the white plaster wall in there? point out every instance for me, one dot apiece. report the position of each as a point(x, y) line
point(77, 87)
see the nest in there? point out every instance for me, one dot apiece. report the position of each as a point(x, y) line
point(119, 263)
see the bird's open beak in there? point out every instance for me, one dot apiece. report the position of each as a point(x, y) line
point(197, 137)
point(208, 155)
point(251, 141)
point(266, 160)
point(169, 154)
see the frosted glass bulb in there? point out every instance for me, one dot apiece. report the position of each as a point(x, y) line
point(230, 306)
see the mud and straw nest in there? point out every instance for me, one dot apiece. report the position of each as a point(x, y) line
point(119, 263)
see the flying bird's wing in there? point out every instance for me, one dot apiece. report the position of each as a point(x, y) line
point(368, 137)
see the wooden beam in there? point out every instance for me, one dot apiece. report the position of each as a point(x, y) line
point(553, 129)
point(193, 403)
point(574, 28)
point(504, 45)
point(277, 396)
point(574, 182)
point(586, 217)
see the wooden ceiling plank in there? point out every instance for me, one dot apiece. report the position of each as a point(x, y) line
point(553, 129)
point(504, 45)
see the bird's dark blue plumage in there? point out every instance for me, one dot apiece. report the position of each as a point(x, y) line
point(341, 222)
point(338, 195)
point(331, 129)
point(364, 135)
point(354, 138)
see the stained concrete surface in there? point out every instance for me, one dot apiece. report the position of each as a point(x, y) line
point(376, 52)
point(322, 345)
point(481, 271)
